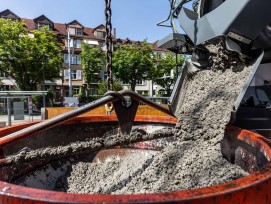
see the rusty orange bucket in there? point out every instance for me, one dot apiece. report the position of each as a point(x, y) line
point(247, 149)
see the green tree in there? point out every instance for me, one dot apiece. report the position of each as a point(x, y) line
point(102, 87)
point(25, 57)
point(93, 60)
point(132, 63)
point(163, 71)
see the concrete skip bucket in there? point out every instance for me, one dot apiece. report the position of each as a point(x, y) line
point(247, 149)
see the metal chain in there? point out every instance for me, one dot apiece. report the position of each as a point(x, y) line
point(109, 43)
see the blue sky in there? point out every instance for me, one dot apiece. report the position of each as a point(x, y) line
point(135, 19)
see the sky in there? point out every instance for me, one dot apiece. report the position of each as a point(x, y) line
point(135, 19)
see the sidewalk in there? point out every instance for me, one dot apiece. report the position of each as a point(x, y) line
point(27, 118)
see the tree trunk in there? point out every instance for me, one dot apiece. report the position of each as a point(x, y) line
point(133, 85)
point(168, 91)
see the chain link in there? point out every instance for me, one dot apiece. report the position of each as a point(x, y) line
point(109, 43)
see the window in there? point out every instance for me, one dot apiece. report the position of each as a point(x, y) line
point(141, 82)
point(79, 31)
point(78, 59)
point(103, 75)
point(93, 91)
point(76, 31)
point(66, 58)
point(76, 90)
point(125, 83)
point(75, 59)
point(75, 43)
point(75, 74)
point(78, 74)
point(100, 34)
point(66, 74)
point(40, 25)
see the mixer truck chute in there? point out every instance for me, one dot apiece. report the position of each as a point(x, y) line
point(241, 28)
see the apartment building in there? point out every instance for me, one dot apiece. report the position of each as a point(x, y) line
point(78, 34)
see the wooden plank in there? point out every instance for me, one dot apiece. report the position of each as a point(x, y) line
point(142, 110)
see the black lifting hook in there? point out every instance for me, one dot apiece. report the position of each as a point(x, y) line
point(125, 111)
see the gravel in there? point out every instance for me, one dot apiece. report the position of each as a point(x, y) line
point(193, 160)
point(89, 145)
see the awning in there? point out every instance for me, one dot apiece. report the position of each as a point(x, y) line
point(54, 82)
point(8, 82)
point(91, 42)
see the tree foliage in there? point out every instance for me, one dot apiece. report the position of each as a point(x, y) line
point(132, 63)
point(93, 60)
point(163, 71)
point(102, 87)
point(25, 57)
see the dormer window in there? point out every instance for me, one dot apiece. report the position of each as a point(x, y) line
point(76, 31)
point(100, 34)
point(79, 31)
point(9, 17)
point(8, 14)
point(99, 31)
point(42, 21)
point(40, 25)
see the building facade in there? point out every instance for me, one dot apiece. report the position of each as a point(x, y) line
point(79, 34)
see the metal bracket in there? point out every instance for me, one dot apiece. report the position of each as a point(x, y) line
point(126, 115)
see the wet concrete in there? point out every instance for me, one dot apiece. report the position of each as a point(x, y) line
point(193, 160)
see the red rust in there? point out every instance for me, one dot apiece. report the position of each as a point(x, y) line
point(251, 189)
point(255, 140)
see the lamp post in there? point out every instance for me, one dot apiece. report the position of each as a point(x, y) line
point(44, 57)
point(43, 80)
point(43, 87)
point(152, 84)
point(177, 65)
point(70, 76)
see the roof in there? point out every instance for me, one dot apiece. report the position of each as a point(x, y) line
point(8, 12)
point(43, 17)
point(29, 23)
point(61, 29)
point(89, 32)
point(101, 26)
point(75, 22)
point(126, 41)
